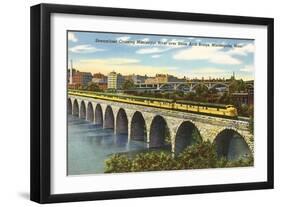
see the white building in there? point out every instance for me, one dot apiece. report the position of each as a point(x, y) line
point(114, 80)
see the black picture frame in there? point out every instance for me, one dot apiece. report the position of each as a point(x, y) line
point(41, 98)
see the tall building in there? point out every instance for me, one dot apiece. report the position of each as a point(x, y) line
point(114, 80)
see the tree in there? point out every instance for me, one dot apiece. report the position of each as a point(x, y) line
point(251, 124)
point(201, 89)
point(237, 86)
point(93, 87)
point(128, 84)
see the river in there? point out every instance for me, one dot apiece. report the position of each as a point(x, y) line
point(90, 145)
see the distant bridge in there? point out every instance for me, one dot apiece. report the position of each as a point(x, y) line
point(153, 125)
point(187, 85)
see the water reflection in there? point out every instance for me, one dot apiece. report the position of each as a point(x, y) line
point(89, 145)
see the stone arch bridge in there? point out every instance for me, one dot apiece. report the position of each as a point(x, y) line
point(154, 125)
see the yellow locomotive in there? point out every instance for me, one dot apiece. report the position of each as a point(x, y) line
point(228, 111)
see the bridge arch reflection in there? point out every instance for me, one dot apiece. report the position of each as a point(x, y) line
point(90, 112)
point(83, 110)
point(75, 108)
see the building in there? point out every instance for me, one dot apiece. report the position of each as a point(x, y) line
point(151, 81)
point(81, 78)
point(135, 78)
point(115, 80)
point(100, 80)
point(247, 96)
point(139, 78)
point(78, 78)
point(241, 97)
point(163, 78)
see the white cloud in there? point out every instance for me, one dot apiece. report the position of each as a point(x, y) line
point(72, 37)
point(247, 68)
point(84, 49)
point(121, 65)
point(206, 72)
point(155, 56)
point(151, 50)
point(244, 50)
point(124, 38)
point(211, 54)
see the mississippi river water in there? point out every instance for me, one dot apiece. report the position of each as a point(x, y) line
point(90, 145)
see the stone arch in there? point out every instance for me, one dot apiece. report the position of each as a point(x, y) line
point(219, 84)
point(75, 108)
point(98, 115)
point(231, 145)
point(69, 106)
point(187, 134)
point(169, 85)
point(108, 118)
point(159, 132)
point(250, 85)
point(121, 122)
point(90, 112)
point(183, 85)
point(138, 127)
point(82, 110)
point(199, 84)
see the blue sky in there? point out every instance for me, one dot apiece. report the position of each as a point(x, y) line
point(180, 56)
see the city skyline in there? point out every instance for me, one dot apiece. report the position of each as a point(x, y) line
point(179, 56)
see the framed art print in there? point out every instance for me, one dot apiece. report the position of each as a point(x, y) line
point(133, 103)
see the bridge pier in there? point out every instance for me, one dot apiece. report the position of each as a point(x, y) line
point(129, 130)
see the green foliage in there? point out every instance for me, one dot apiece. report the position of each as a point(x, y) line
point(237, 86)
point(92, 87)
point(251, 124)
point(117, 164)
point(153, 161)
point(127, 85)
point(245, 161)
point(167, 136)
point(111, 90)
point(201, 90)
point(195, 137)
point(198, 156)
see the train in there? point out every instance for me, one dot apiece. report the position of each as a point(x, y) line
point(227, 111)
